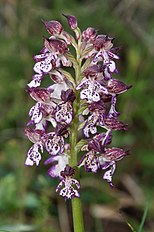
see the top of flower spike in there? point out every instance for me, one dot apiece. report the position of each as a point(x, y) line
point(72, 21)
point(54, 104)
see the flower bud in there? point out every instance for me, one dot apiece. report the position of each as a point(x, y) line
point(89, 34)
point(53, 27)
point(56, 45)
point(71, 21)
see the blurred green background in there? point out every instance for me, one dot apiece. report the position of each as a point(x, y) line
point(27, 195)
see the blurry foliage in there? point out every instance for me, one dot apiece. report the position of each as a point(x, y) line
point(26, 196)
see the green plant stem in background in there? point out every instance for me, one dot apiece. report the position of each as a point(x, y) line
point(77, 215)
point(76, 202)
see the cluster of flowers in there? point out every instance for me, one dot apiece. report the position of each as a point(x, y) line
point(90, 97)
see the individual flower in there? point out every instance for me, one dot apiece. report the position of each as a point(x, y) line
point(54, 143)
point(91, 90)
point(90, 161)
point(52, 56)
point(70, 184)
point(97, 113)
point(108, 161)
point(42, 111)
point(64, 111)
point(33, 155)
point(56, 30)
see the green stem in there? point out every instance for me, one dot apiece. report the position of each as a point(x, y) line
point(76, 202)
point(77, 215)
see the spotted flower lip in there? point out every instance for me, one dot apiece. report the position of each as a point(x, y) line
point(33, 155)
point(54, 144)
point(108, 161)
point(68, 191)
point(36, 80)
point(91, 90)
point(64, 113)
point(90, 126)
point(43, 110)
point(53, 27)
point(44, 66)
point(96, 118)
point(108, 175)
point(70, 184)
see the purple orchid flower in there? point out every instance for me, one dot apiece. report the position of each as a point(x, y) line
point(84, 99)
point(68, 191)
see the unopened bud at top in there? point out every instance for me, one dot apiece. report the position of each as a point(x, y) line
point(71, 21)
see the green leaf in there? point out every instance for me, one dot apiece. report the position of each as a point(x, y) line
point(87, 50)
point(144, 217)
point(68, 75)
point(81, 125)
point(86, 64)
point(80, 144)
point(131, 227)
point(17, 228)
point(80, 111)
point(71, 58)
point(73, 42)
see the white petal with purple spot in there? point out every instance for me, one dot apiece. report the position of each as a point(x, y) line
point(33, 156)
point(68, 192)
point(62, 160)
point(35, 113)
